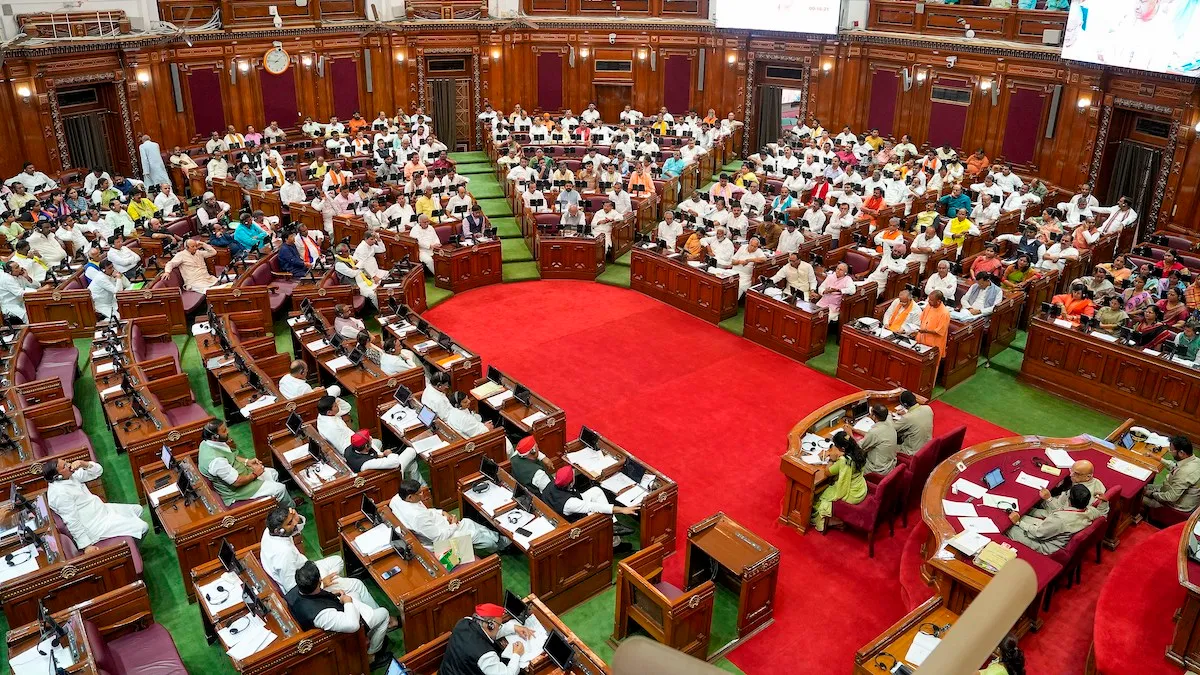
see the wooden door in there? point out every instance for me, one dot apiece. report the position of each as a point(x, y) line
point(611, 99)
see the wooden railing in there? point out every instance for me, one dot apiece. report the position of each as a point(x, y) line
point(1019, 25)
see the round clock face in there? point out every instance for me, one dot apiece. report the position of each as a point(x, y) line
point(276, 61)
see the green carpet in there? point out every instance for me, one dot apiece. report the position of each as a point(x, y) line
point(474, 171)
point(486, 189)
point(521, 271)
point(506, 227)
point(614, 275)
point(514, 250)
point(734, 324)
point(495, 208)
point(433, 294)
point(469, 157)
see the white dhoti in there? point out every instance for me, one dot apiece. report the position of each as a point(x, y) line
point(271, 487)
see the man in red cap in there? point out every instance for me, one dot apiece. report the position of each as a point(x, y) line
point(362, 455)
point(528, 465)
point(562, 496)
point(472, 647)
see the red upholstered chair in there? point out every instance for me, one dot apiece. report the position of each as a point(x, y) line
point(1171, 241)
point(920, 465)
point(150, 650)
point(880, 503)
point(860, 265)
point(1090, 538)
point(1165, 516)
point(192, 301)
point(950, 443)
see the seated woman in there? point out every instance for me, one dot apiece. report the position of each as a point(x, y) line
point(1150, 330)
point(1019, 274)
point(1136, 297)
point(1187, 343)
point(1174, 310)
point(1048, 224)
point(1011, 660)
point(849, 485)
point(1112, 315)
point(1075, 304)
point(1118, 269)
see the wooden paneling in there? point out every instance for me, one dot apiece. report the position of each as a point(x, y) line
point(1022, 25)
point(694, 9)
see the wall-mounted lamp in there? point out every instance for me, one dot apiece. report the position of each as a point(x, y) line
point(307, 61)
point(400, 56)
point(496, 54)
point(985, 84)
point(826, 66)
point(1083, 103)
point(143, 78)
point(922, 74)
point(1197, 127)
point(24, 93)
point(731, 58)
point(584, 52)
point(244, 66)
point(642, 54)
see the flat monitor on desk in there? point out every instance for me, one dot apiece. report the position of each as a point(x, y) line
point(1127, 441)
point(589, 438)
point(402, 394)
point(427, 416)
point(228, 557)
point(860, 410)
point(167, 459)
point(400, 545)
point(489, 469)
point(560, 651)
point(493, 374)
point(522, 497)
point(515, 607)
point(522, 395)
point(295, 424)
point(446, 343)
point(314, 449)
point(634, 470)
point(370, 510)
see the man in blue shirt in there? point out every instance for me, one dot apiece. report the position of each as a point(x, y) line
point(955, 200)
point(289, 257)
point(673, 166)
point(248, 234)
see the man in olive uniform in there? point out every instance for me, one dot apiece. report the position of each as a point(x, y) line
point(879, 443)
point(915, 426)
point(231, 476)
point(1082, 473)
point(1050, 534)
point(1181, 489)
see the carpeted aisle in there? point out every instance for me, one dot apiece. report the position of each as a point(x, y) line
point(712, 411)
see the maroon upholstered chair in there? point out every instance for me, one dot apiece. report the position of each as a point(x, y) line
point(920, 464)
point(37, 362)
point(1165, 516)
point(145, 349)
point(950, 443)
point(70, 551)
point(192, 301)
point(880, 503)
point(149, 651)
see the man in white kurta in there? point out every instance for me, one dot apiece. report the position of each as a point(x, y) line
point(192, 268)
point(89, 519)
point(104, 289)
point(892, 261)
point(720, 246)
point(154, 172)
point(743, 262)
point(427, 240)
point(434, 525)
point(280, 558)
point(603, 222)
point(15, 284)
point(364, 255)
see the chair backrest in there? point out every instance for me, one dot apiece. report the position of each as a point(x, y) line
point(889, 490)
point(923, 462)
point(951, 443)
point(857, 262)
point(32, 348)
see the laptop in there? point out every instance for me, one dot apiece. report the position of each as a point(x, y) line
point(860, 410)
point(634, 469)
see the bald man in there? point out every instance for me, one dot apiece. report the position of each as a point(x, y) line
point(1082, 473)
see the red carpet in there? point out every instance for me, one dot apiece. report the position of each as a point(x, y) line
point(711, 410)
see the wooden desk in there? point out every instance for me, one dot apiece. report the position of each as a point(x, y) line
point(748, 564)
point(567, 565)
point(429, 598)
point(805, 480)
point(463, 366)
point(19, 465)
point(570, 257)
point(426, 659)
point(963, 345)
point(79, 657)
point(673, 281)
point(957, 578)
point(461, 268)
point(197, 528)
point(896, 640)
point(1184, 649)
point(1110, 377)
point(335, 497)
point(797, 330)
point(871, 362)
point(294, 650)
point(550, 431)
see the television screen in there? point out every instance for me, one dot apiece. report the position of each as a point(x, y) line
point(796, 16)
point(1154, 36)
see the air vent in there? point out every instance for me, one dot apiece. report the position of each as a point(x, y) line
point(443, 65)
point(74, 97)
point(781, 73)
point(604, 66)
point(952, 96)
point(1152, 127)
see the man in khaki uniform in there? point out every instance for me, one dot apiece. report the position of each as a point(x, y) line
point(1082, 473)
point(1050, 534)
point(915, 426)
point(879, 443)
point(1181, 489)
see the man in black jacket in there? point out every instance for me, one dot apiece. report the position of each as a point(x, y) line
point(339, 612)
point(472, 648)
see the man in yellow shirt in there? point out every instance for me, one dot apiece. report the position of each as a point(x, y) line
point(427, 203)
point(874, 140)
point(140, 206)
point(958, 228)
point(745, 177)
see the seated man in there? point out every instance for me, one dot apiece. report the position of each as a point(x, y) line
point(231, 476)
point(914, 427)
point(432, 525)
point(295, 383)
point(1082, 473)
point(281, 559)
point(88, 519)
point(562, 496)
point(472, 646)
point(1050, 534)
point(528, 465)
point(879, 443)
point(191, 266)
point(339, 611)
point(903, 315)
point(980, 300)
point(364, 455)
point(1181, 489)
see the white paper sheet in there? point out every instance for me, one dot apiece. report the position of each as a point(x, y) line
point(1060, 458)
point(490, 500)
point(338, 363)
point(1063, 323)
point(105, 368)
point(592, 461)
point(980, 525)
point(259, 639)
point(36, 660)
point(401, 419)
point(514, 518)
point(315, 345)
point(111, 391)
point(617, 482)
point(534, 646)
point(422, 347)
point(997, 502)
point(922, 646)
point(315, 474)
point(426, 446)
point(632, 496)
point(528, 421)
point(972, 489)
point(373, 540)
point(969, 542)
point(1131, 470)
point(229, 596)
point(958, 508)
point(160, 494)
point(1032, 481)
point(498, 399)
point(537, 527)
point(28, 555)
point(864, 425)
point(201, 328)
point(260, 402)
point(295, 454)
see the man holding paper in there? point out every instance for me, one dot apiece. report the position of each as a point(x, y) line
point(434, 525)
point(1050, 534)
point(472, 647)
point(1082, 473)
point(879, 443)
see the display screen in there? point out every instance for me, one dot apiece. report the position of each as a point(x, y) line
point(796, 16)
point(1154, 35)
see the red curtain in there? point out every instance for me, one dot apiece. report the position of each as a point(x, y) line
point(882, 113)
point(677, 84)
point(208, 112)
point(278, 97)
point(345, 87)
point(549, 81)
point(1024, 125)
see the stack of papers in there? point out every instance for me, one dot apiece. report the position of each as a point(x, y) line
point(1032, 481)
point(993, 557)
point(487, 389)
point(295, 454)
point(318, 473)
point(969, 542)
point(446, 361)
point(1060, 458)
point(514, 519)
point(490, 500)
point(633, 496)
point(498, 399)
point(103, 353)
point(28, 557)
point(401, 418)
point(998, 502)
point(592, 461)
point(1132, 470)
point(110, 392)
point(36, 660)
point(245, 626)
point(105, 368)
point(422, 347)
point(617, 482)
point(338, 363)
point(228, 595)
point(374, 540)
point(260, 402)
point(426, 446)
point(528, 421)
point(864, 425)
point(160, 494)
point(922, 646)
point(254, 641)
point(979, 525)
point(950, 508)
point(533, 646)
point(315, 345)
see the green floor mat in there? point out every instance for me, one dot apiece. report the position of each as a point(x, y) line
point(521, 271)
point(506, 227)
point(475, 170)
point(464, 157)
point(483, 190)
point(434, 295)
point(514, 251)
point(734, 323)
point(495, 207)
point(615, 275)
point(624, 260)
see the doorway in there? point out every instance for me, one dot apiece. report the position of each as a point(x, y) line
point(611, 99)
point(93, 128)
point(1132, 160)
point(449, 95)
